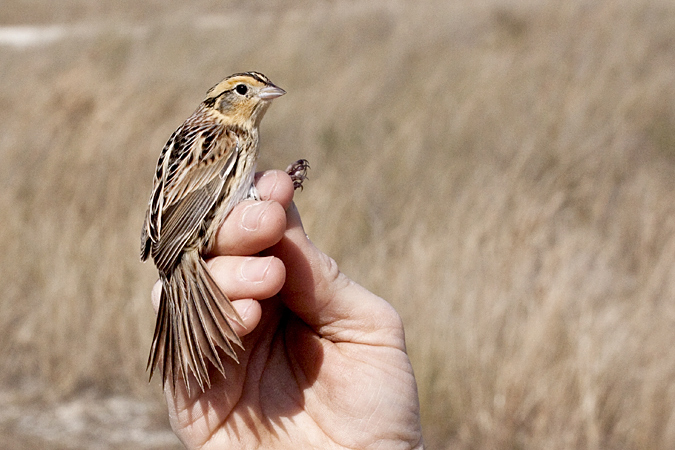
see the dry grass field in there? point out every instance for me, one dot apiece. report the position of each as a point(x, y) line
point(503, 172)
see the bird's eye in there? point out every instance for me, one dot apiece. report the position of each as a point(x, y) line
point(241, 89)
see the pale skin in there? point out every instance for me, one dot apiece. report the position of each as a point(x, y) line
point(325, 364)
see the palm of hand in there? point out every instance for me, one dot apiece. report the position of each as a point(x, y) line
point(294, 388)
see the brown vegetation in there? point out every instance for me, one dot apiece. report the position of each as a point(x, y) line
point(503, 172)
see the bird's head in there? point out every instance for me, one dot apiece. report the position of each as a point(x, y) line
point(243, 97)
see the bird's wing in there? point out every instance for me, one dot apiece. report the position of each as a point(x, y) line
point(181, 221)
point(191, 172)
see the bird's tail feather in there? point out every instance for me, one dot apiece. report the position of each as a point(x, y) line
point(194, 319)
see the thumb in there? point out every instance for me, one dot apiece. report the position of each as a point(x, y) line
point(323, 297)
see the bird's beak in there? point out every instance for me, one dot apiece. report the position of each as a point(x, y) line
point(270, 92)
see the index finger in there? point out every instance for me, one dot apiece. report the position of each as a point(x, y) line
point(253, 226)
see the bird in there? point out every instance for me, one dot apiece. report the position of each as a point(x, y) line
point(205, 169)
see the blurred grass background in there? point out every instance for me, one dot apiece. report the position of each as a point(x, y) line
point(502, 171)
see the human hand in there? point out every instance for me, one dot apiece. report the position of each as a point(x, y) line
point(325, 364)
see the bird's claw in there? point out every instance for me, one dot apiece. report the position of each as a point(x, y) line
point(298, 172)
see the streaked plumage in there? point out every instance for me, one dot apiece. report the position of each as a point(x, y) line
point(205, 169)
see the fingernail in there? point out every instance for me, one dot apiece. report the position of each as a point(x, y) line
point(244, 312)
point(254, 269)
point(270, 177)
point(252, 215)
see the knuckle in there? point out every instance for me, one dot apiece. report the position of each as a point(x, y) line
point(332, 278)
